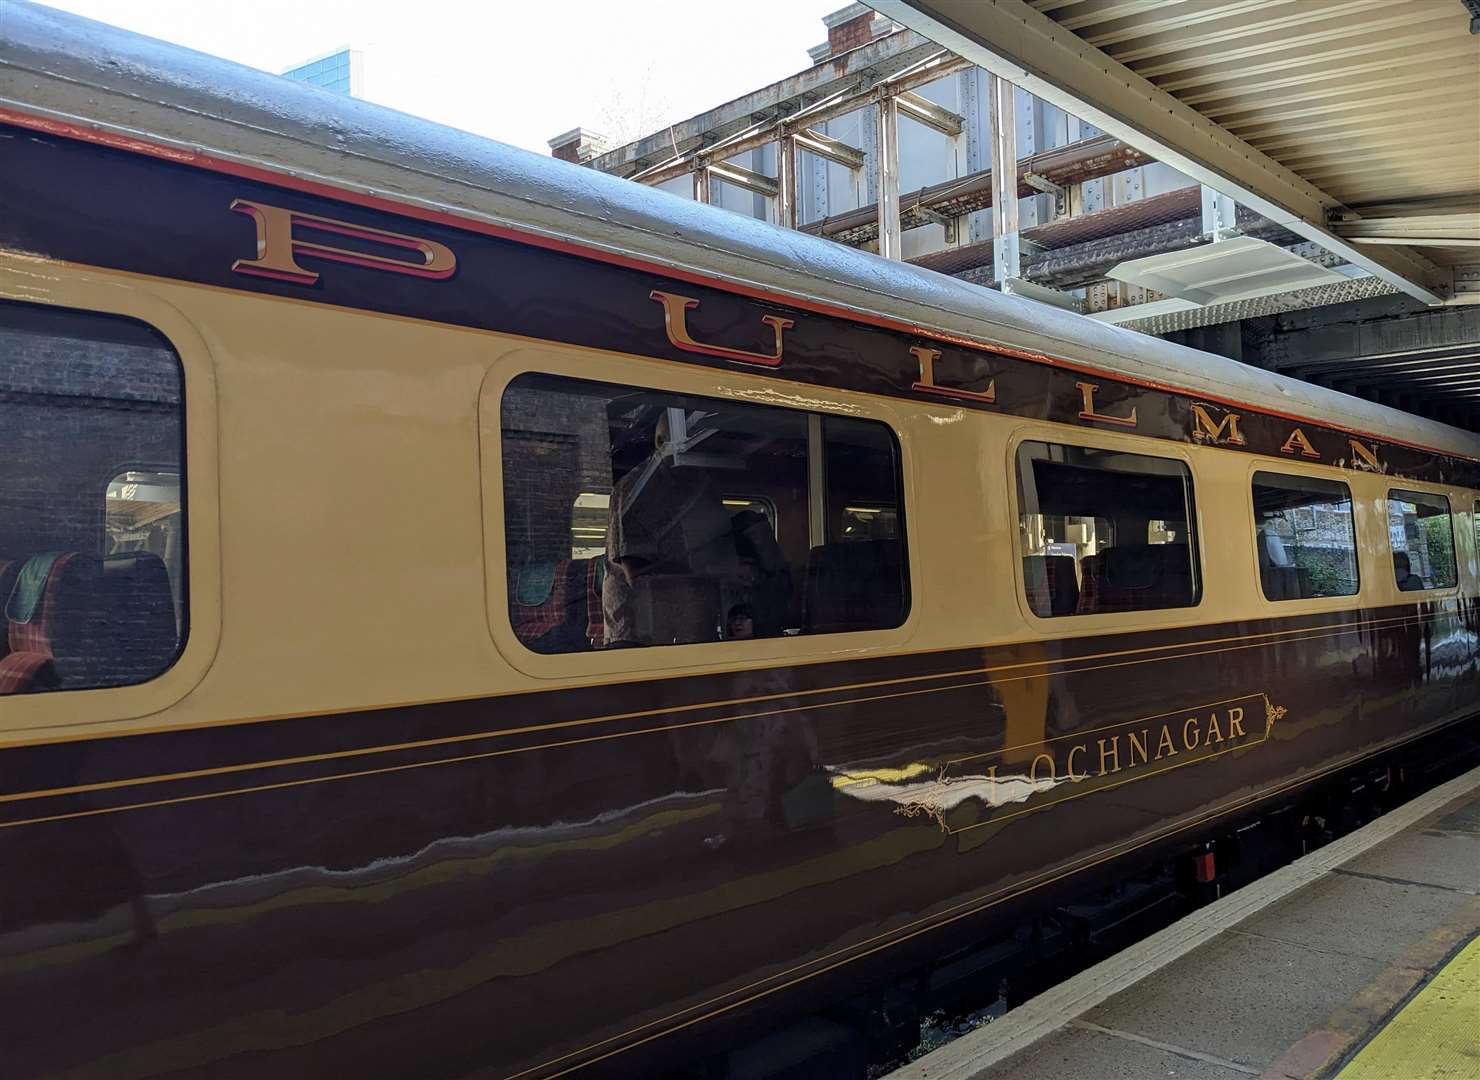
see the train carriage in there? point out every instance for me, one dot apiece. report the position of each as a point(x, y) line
point(468, 614)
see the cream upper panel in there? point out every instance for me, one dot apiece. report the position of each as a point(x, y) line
point(345, 545)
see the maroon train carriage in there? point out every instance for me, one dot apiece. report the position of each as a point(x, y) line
point(467, 614)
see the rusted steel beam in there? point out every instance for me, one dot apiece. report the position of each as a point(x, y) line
point(927, 112)
point(1071, 252)
point(859, 93)
point(1087, 159)
point(830, 149)
point(861, 67)
point(744, 178)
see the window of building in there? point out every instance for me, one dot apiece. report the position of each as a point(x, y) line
point(92, 528)
point(1306, 539)
point(1422, 536)
point(1105, 531)
point(637, 517)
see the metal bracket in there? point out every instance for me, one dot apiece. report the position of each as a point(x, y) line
point(1219, 215)
point(1042, 293)
point(1048, 187)
point(945, 221)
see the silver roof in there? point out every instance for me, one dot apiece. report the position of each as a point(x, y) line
point(98, 76)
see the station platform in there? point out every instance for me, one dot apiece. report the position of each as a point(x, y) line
point(1359, 961)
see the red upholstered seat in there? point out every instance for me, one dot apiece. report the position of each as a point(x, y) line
point(556, 607)
point(1050, 584)
point(9, 568)
point(31, 623)
point(595, 624)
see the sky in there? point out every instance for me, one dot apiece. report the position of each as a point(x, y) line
point(521, 71)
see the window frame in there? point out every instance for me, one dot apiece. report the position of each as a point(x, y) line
point(118, 709)
point(572, 362)
point(1076, 625)
point(1297, 471)
point(1387, 499)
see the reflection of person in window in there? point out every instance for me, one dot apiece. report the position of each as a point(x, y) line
point(740, 623)
point(765, 579)
point(1408, 581)
point(664, 519)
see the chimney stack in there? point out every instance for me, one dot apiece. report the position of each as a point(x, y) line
point(848, 28)
point(578, 145)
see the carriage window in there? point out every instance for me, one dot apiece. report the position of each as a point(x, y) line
point(1423, 540)
point(1105, 531)
point(1306, 540)
point(92, 533)
point(637, 517)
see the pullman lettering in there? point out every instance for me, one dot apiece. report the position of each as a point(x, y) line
point(279, 246)
point(1225, 431)
point(1087, 391)
point(675, 320)
point(927, 384)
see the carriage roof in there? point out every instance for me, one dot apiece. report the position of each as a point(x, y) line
point(87, 73)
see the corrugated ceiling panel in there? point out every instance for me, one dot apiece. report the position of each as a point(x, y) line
point(1370, 100)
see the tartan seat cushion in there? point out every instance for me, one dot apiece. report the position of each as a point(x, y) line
point(22, 672)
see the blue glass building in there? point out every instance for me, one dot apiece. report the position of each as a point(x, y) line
point(337, 72)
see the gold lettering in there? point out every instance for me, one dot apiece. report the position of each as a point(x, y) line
point(1214, 732)
point(278, 248)
point(1297, 440)
point(1114, 755)
point(1190, 734)
point(994, 797)
point(1087, 393)
point(1138, 744)
point(1204, 428)
point(1364, 456)
point(1033, 769)
point(926, 385)
point(1165, 744)
point(675, 320)
point(1076, 777)
point(1235, 722)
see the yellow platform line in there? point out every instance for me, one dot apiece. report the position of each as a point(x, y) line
point(1436, 1036)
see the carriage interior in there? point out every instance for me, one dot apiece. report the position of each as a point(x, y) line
point(638, 517)
point(1105, 531)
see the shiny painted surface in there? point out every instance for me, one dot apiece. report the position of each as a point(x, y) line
point(533, 896)
point(360, 829)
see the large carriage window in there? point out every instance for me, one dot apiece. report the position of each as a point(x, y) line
point(638, 517)
point(1306, 539)
point(1423, 540)
point(92, 533)
point(1105, 531)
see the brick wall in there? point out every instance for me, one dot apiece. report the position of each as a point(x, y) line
point(73, 414)
point(555, 446)
point(851, 34)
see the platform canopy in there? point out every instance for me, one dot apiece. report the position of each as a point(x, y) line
point(1354, 123)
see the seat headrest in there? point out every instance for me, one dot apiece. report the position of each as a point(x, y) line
point(137, 637)
point(854, 585)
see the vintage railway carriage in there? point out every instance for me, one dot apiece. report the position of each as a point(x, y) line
point(467, 614)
